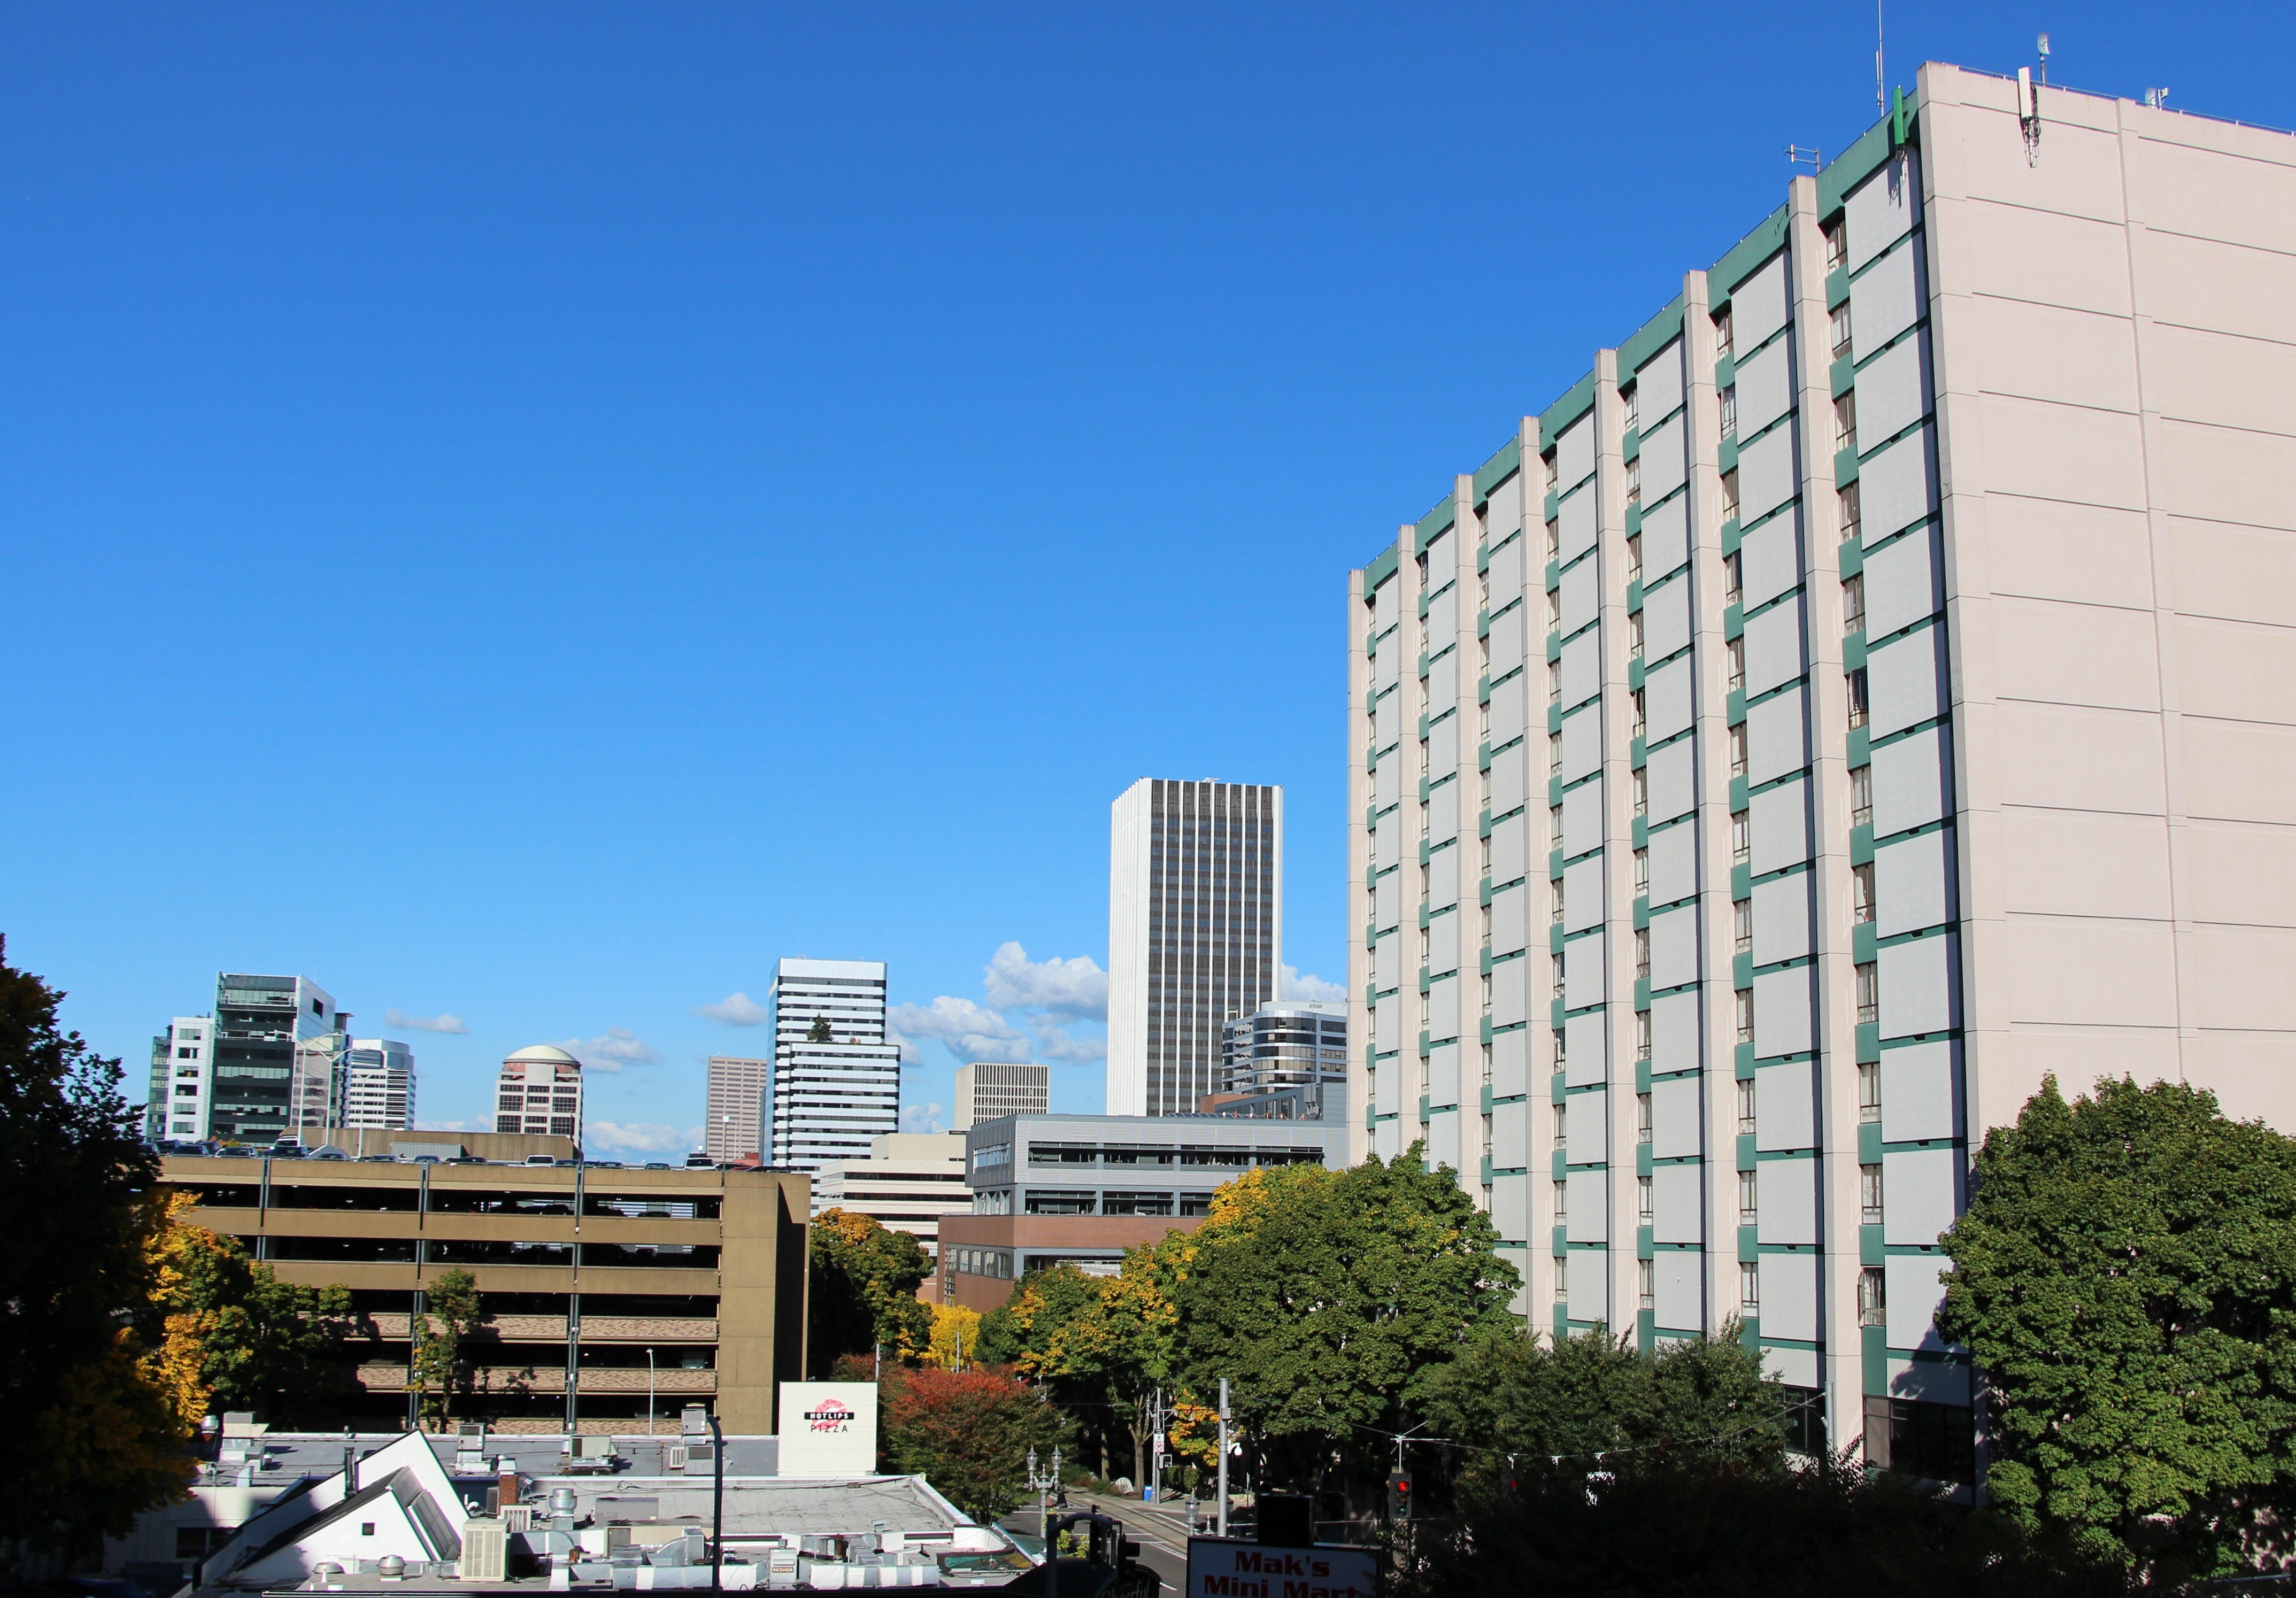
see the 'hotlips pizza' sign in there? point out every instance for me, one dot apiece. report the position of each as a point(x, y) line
point(829, 1429)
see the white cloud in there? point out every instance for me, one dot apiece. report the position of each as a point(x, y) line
point(971, 1031)
point(1057, 1043)
point(612, 1050)
point(640, 1137)
point(735, 1009)
point(1299, 986)
point(403, 1023)
point(923, 1117)
point(1073, 989)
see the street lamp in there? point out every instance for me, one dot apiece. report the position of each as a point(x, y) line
point(648, 1392)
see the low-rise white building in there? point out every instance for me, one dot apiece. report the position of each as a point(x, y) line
point(910, 1180)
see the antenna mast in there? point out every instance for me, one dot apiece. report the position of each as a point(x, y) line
point(1880, 102)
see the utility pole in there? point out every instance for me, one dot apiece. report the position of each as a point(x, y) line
point(1223, 1457)
point(1156, 1449)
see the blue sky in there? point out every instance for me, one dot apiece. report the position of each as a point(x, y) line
point(528, 513)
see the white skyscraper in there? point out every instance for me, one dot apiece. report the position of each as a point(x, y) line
point(837, 1081)
point(1196, 933)
point(378, 1085)
point(540, 1094)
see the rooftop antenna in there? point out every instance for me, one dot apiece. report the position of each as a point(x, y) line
point(2045, 61)
point(2158, 99)
point(1796, 155)
point(1880, 102)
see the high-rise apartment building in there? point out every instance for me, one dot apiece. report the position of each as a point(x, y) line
point(837, 1081)
point(267, 1061)
point(1302, 1043)
point(737, 1108)
point(988, 1089)
point(1196, 933)
point(540, 1091)
point(378, 1085)
point(1860, 695)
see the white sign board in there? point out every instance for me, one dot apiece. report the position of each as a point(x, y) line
point(1225, 1567)
point(829, 1429)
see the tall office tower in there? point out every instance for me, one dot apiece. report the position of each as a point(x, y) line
point(1298, 1044)
point(1908, 720)
point(182, 1078)
point(837, 1081)
point(539, 1093)
point(378, 1085)
point(987, 1090)
point(273, 1059)
point(1196, 933)
point(737, 1108)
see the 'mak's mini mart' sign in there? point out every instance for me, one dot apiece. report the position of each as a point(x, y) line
point(1226, 1568)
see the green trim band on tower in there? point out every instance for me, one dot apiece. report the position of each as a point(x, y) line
point(1576, 402)
point(1383, 567)
point(1492, 472)
point(1868, 155)
point(1743, 259)
point(1649, 339)
point(1437, 522)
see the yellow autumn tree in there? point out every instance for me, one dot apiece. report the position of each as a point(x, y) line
point(956, 1337)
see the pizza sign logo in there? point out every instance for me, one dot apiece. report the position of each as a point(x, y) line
point(832, 1415)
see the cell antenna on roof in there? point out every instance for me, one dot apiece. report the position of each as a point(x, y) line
point(2044, 47)
point(1881, 100)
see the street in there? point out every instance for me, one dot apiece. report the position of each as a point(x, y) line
point(1162, 1536)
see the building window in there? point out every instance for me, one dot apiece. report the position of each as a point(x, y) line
point(1845, 501)
point(1554, 529)
point(1741, 832)
point(1562, 1125)
point(1634, 559)
point(1853, 604)
point(1869, 996)
point(1635, 634)
point(1642, 1185)
point(1722, 331)
point(1558, 901)
point(1642, 1118)
point(1748, 1205)
point(1642, 961)
point(1632, 399)
point(1551, 477)
point(1635, 481)
point(1561, 1214)
point(1556, 962)
point(1872, 1298)
point(1641, 720)
point(1840, 330)
point(1642, 871)
point(1750, 1288)
point(1554, 681)
point(1741, 924)
point(1869, 1195)
point(1642, 791)
point(1735, 650)
point(1931, 1441)
point(1837, 244)
point(1646, 1274)
point(1730, 411)
point(1642, 1035)
point(1746, 1096)
point(1732, 588)
point(1554, 609)
point(1730, 497)
point(1745, 1015)
point(1845, 422)
point(1560, 1039)
point(1869, 1091)
point(1856, 680)
point(1861, 796)
point(1861, 893)
point(1554, 754)
point(1554, 826)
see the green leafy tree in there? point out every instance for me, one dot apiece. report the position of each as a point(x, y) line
point(1328, 1298)
point(1096, 1345)
point(1511, 1392)
point(97, 1440)
point(2126, 1276)
point(253, 1341)
point(819, 1031)
point(863, 1291)
point(455, 1313)
point(969, 1433)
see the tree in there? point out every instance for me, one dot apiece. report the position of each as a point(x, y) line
point(1092, 1343)
point(956, 1339)
point(226, 1333)
point(969, 1433)
point(1328, 1298)
point(453, 1313)
point(101, 1442)
point(2126, 1276)
point(819, 1031)
point(864, 1280)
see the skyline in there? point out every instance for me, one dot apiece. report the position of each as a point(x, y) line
point(529, 518)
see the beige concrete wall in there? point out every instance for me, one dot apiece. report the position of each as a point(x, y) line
point(2115, 335)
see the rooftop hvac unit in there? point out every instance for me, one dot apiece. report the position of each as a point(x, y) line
point(486, 1550)
point(673, 1456)
point(518, 1517)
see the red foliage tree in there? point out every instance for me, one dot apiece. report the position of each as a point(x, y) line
point(968, 1432)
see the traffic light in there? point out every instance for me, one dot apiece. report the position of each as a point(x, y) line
point(1398, 1496)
